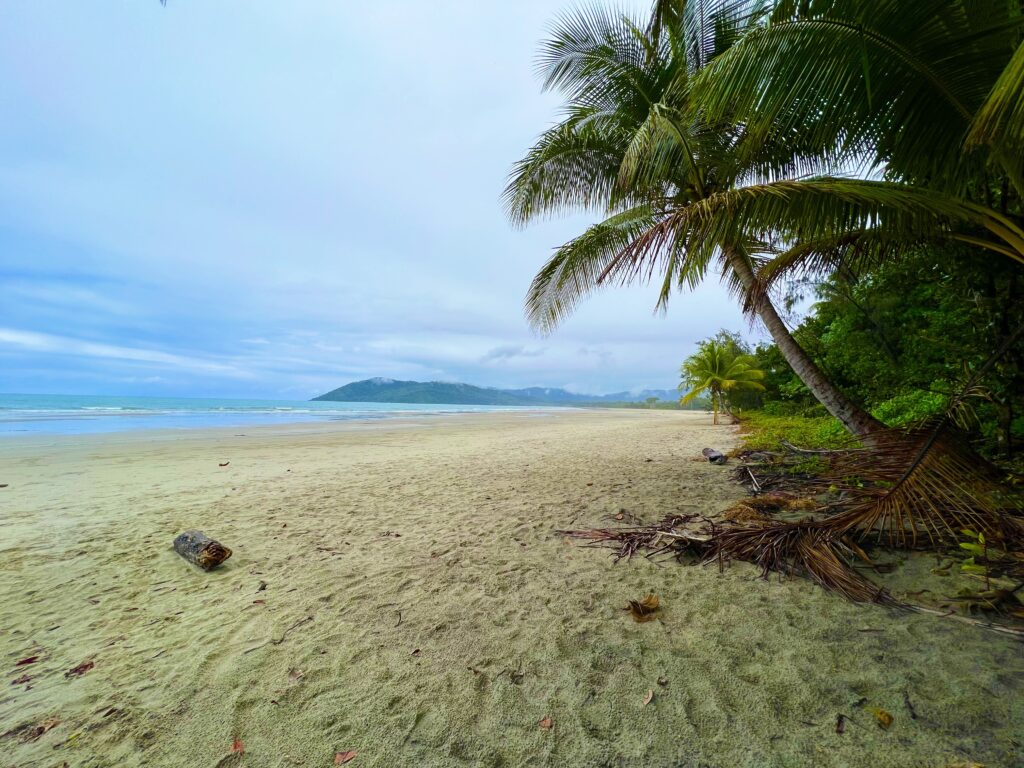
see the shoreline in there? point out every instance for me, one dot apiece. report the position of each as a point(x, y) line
point(420, 608)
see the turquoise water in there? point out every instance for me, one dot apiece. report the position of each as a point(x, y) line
point(81, 414)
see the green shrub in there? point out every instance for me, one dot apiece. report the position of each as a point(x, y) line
point(765, 431)
point(909, 408)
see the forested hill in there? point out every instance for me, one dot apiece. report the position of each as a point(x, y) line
point(441, 392)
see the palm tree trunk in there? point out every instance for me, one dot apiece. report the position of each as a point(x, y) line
point(853, 417)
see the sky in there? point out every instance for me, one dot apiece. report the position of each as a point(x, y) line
point(263, 199)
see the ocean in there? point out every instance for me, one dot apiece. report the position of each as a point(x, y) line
point(82, 414)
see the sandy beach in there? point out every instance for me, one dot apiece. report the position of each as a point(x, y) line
point(398, 589)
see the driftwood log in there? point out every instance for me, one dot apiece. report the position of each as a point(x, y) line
point(199, 549)
point(715, 457)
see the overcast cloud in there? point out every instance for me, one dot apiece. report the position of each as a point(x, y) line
point(271, 199)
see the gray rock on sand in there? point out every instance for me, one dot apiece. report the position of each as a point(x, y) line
point(715, 457)
point(199, 549)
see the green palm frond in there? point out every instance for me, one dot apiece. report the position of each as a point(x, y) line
point(842, 73)
point(823, 208)
point(580, 266)
point(572, 166)
point(1000, 120)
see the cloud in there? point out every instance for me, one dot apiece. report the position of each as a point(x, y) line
point(510, 351)
point(64, 345)
point(229, 219)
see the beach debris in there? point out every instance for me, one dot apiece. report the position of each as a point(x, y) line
point(199, 549)
point(27, 660)
point(841, 724)
point(262, 586)
point(224, 464)
point(417, 652)
point(340, 758)
point(649, 697)
point(237, 747)
point(644, 610)
point(79, 670)
point(31, 732)
point(909, 706)
point(884, 718)
point(662, 681)
point(3, 485)
point(295, 673)
point(26, 678)
point(546, 723)
point(713, 456)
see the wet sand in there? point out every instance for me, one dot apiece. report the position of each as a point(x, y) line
point(419, 609)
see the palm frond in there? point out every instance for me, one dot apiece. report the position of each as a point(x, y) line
point(1000, 120)
point(828, 208)
point(796, 548)
point(579, 267)
point(841, 73)
point(573, 165)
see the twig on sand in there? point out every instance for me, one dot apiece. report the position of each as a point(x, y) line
point(753, 481)
point(284, 634)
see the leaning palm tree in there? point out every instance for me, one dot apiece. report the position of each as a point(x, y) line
point(717, 370)
point(634, 147)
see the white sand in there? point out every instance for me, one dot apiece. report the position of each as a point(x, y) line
point(447, 641)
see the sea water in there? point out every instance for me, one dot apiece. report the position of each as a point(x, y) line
point(79, 414)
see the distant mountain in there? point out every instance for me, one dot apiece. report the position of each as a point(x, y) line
point(441, 392)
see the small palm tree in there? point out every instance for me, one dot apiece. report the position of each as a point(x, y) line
point(716, 369)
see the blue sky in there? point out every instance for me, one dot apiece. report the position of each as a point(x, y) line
point(267, 199)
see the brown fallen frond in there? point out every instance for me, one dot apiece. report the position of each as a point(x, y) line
point(923, 484)
point(679, 533)
point(805, 548)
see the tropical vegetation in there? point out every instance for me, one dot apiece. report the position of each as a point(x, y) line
point(711, 135)
point(866, 154)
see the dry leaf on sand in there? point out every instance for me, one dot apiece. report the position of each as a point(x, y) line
point(649, 696)
point(237, 747)
point(884, 718)
point(644, 610)
point(546, 723)
point(340, 758)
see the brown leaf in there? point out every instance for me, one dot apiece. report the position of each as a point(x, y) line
point(340, 758)
point(644, 610)
point(546, 723)
point(884, 718)
point(21, 680)
point(224, 464)
point(237, 747)
point(80, 670)
point(30, 732)
point(26, 660)
point(649, 696)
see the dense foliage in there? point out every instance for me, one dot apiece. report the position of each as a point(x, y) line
point(901, 338)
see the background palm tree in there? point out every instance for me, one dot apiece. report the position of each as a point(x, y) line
point(634, 147)
point(717, 370)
